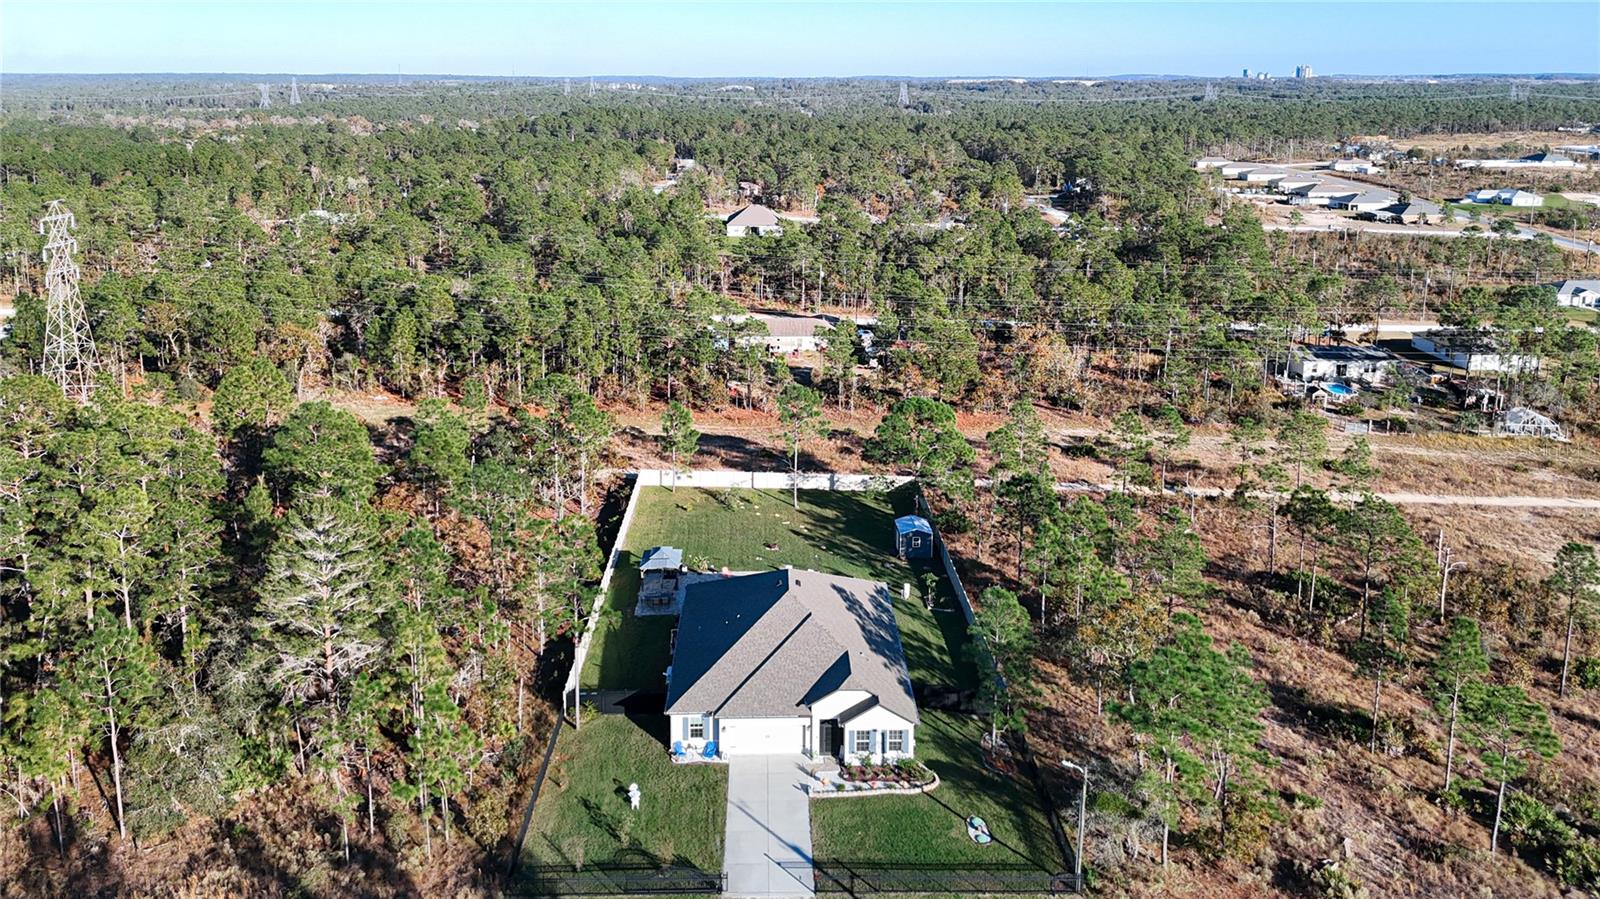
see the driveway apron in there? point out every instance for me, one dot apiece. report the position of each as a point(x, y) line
point(768, 846)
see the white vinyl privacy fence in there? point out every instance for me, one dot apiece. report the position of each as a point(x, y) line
point(571, 697)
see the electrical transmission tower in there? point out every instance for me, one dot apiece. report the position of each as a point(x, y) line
point(294, 91)
point(566, 87)
point(69, 354)
point(266, 97)
point(1211, 92)
point(591, 85)
point(905, 95)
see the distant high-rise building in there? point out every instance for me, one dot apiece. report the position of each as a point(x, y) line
point(1302, 71)
point(1246, 74)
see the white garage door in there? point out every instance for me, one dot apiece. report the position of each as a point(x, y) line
point(760, 736)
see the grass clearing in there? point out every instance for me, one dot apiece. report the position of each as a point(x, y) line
point(583, 817)
point(931, 828)
point(837, 532)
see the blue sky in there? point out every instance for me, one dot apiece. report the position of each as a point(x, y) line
point(723, 39)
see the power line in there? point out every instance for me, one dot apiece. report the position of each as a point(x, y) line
point(69, 352)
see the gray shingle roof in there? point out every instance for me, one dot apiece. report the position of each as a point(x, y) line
point(754, 216)
point(768, 645)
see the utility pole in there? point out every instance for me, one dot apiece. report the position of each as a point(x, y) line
point(69, 353)
point(266, 96)
point(294, 91)
point(1083, 807)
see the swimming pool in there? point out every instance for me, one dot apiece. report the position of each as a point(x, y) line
point(1340, 390)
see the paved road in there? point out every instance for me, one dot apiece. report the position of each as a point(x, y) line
point(768, 847)
point(1527, 233)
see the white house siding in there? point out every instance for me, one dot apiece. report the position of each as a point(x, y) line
point(680, 731)
point(761, 736)
point(875, 723)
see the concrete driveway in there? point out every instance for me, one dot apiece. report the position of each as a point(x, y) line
point(768, 847)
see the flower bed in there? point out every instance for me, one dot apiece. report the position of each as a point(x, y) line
point(900, 774)
point(828, 789)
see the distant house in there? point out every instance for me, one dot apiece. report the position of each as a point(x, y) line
point(1206, 163)
point(1365, 201)
point(1505, 196)
point(1409, 213)
point(1578, 294)
point(1336, 194)
point(790, 661)
point(1472, 351)
point(754, 219)
point(784, 333)
point(1340, 363)
point(1355, 166)
point(1531, 161)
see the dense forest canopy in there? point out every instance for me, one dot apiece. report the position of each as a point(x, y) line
point(429, 235)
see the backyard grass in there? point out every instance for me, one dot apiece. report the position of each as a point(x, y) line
point(837, 532)
point(582, 816)
point(930, 829)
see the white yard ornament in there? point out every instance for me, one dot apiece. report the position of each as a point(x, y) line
point(633, 796)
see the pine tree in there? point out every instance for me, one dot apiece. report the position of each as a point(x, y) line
point(1457, 672)
point(1201, 710)
point(320, 451)
point(1576, 579)
point(1509, 729)
point(679, 440)
point(323, 598)
point(800, 413)
point(1172, 562)
point(1003, 649)
point(439, 448)
point(114, 673)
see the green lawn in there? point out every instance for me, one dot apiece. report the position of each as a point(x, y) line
point(834, 531)
point(1589, 316)
point(583, 817)
point(931, 828)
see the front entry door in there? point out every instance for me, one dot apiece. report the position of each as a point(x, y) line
point(832, 737)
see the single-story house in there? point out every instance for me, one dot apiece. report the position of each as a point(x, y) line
point(1355, 166)
point(1409, 213)
point(1584, 294)
point(1505, 196)
point(1473, 351)
point(790, 661)
point(913, 537)
point(754, 219)
point(1340, 363)
point(1206, 163)
point(1365, 201)
point(1531, 161)
point(788, 333)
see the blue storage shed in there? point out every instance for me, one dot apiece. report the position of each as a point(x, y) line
point(913, 537)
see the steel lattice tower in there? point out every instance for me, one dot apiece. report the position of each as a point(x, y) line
point(294, 91)
point(69, 353)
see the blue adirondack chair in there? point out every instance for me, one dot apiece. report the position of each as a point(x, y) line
point(710, 750)
point(677, 749)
